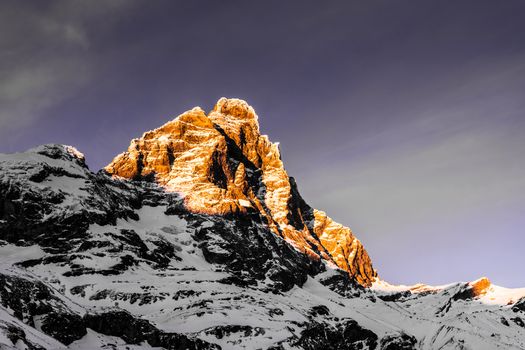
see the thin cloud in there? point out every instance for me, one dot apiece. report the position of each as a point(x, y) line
point(26, 92)
point(45, 58)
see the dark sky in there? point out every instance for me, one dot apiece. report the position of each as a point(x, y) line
point(404, 120)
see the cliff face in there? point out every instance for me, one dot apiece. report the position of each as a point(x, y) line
point(221, 164)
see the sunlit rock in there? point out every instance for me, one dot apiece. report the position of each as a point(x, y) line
point(480, 286)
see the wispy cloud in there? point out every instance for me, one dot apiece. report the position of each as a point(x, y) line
point(31, 88)
point(45, 57)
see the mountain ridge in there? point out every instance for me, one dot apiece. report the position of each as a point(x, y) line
point(90, 260)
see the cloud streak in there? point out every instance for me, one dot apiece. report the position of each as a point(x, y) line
point(46, 58)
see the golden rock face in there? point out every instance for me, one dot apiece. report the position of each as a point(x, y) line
point(480, 286)
point(220, 163)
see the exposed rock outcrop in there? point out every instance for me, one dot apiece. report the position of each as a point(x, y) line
point(480, 286)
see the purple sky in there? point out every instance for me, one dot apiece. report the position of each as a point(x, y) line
point(404, 120)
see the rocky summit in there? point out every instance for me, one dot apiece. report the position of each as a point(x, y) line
point(221, 164)
point(197, 238)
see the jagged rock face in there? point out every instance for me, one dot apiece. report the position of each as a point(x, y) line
point(221, 164)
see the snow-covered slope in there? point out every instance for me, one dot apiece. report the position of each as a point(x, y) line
point(89, 261)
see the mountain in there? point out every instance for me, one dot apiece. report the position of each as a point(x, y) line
point(196, 238)
point(220, 165)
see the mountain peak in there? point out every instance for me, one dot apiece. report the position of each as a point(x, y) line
point(221, 164)
point(480, 286)
point(58, 151)
point(235, 107)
